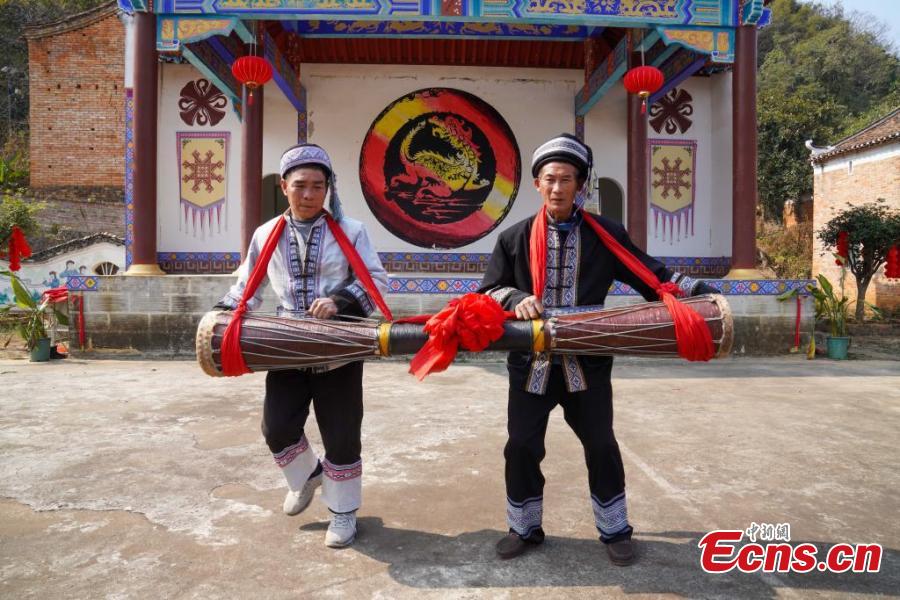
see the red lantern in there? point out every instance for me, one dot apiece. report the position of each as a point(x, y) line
point(643, 81)
point(892, 268)
point(252, 71)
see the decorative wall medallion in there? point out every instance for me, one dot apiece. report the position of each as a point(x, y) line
point(201, 103)
point(440, 168)
point(203, 177)
point(672, 111)
point(672, 177)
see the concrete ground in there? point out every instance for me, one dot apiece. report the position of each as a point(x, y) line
point(148, 479)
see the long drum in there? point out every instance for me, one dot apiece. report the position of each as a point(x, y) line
point(275, 342)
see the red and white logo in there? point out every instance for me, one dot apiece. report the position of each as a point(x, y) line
point(721, 551)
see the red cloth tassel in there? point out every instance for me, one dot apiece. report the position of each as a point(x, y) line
point(18, 248)
point(537, 253)
point(691, 333)
point(472, 321)
point(55, 295)
point(232, 358)
point(358, 266)
point(80, 299)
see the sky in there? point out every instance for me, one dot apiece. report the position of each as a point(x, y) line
point(887, 11)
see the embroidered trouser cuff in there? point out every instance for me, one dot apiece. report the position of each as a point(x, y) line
point(611, 518)
point(525, 517)
point(297, 463)
point(342, 486)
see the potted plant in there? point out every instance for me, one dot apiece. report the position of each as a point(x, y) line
point(835, 312)
point(32, 317)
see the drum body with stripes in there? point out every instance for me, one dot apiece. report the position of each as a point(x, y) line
point(644, 329)
point(271, 342)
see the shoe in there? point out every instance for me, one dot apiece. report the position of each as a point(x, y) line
point(514, 545)
point(295, 502)
point(621, 553)
point(342, 530)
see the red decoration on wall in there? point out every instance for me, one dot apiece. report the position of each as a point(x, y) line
point(843, 249)
point(672, 112)
point(253, 72)
point(201, 103)
point(18, 248)
point(892, 267)
point(643, 81)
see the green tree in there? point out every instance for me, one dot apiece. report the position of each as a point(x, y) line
point(822, 75)
point(873, 228)
point(15, 210)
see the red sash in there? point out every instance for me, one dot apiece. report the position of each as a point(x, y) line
point(691, 333)
point(232, 358)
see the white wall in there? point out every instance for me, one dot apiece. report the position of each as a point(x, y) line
point(36, 274)
point(173, 235)
point(279, 128)
point(344, 100)
point(606, 132)
point(711, 168)
point(720, 184)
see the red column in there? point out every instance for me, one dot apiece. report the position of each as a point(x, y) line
point(637, 166)
point(146, 91)
point(744, 191)
point(251, 168)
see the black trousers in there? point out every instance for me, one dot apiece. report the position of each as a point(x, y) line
point(590, 415)
point(336, 396)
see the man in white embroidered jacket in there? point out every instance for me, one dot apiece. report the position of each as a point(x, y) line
point(311, 276)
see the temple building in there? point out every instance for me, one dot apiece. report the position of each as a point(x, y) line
point(400, 91)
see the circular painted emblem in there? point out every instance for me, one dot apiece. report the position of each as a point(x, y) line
point(439, 168)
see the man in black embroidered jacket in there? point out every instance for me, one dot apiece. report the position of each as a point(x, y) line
point(579, 272)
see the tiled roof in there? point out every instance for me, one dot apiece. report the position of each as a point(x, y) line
point(71, 22)
point(84, 242)
point(882, 131)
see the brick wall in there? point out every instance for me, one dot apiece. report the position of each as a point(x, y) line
point(77, 110)
point(865, 183)
point(797, 211)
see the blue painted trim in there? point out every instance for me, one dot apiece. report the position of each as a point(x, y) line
point(753, 10)
point(434, 30)
point(83, 283)
point(669, 51)
point(591, 12)
point(716, 53)
point(462, 285)
point(165, 45)
point(243, 32)
point(209, 73)
point(270, 50)
point(129, 176)
point(675, 81)
point(584, 104)
point(648, 41)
